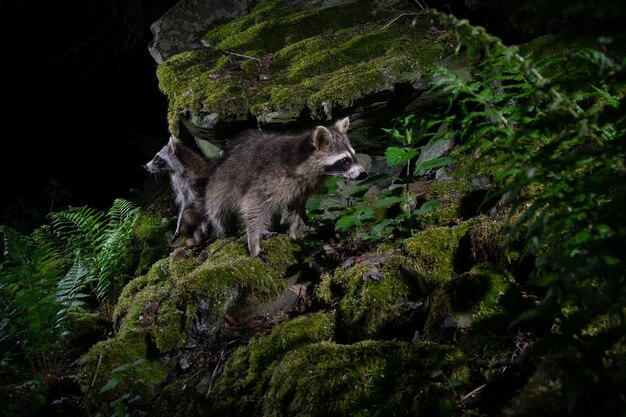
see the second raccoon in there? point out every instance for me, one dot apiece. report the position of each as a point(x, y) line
point(188, 173)
point(265, 173)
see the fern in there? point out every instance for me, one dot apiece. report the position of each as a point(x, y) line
point(29, 272)
point(61, 266)
point(97, 244)
point(78, 228)
point(113, 256)
point(557, 147)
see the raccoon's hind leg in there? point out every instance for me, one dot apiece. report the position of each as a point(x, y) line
point(255, 225)
point(191, 225)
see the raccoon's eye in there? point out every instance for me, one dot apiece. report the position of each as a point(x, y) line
point(345, 161)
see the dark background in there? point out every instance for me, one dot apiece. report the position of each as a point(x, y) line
point(82, 107)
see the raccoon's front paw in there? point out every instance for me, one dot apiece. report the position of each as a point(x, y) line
point(262, 256)
point(267, 234)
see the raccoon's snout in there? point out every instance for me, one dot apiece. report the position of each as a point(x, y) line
point(362, 175)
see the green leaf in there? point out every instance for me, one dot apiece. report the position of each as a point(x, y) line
point(388, 201)
point(427, 207)
point(346, 222)
point(112, 383)
point(397, 156)
point(436, 163)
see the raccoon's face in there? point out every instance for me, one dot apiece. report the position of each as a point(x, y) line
point(340, 159)
point(159, 163)
point(345, 165)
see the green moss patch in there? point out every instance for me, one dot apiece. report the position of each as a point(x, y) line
point(299, 58)
point(475, 309)
point(248, 372)
point(441, 252)
point(369, 378)
point(373, 296)
point(149, 232)
point(453, 197)
point(101, 363)
point(155, 311)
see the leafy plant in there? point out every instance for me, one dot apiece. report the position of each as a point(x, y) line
point(392, 211)
point(555, 147)
point(123, 405)
point(45, 276)
point(31, 267)
point(97, 244)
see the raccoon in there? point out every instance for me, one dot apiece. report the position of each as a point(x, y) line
point(189, 173)
point(265, 173)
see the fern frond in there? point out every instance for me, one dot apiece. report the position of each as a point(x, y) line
point(114, 257)
point(78, 227)
point(70, 290)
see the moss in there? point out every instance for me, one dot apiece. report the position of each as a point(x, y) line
point(150, 233)
point(493, 240)
point(440, 252)
point(231, 265)
point(98, 366)
point(369, 378)
point(452, 196)
point(476, 309)
point(315, 57)
point(159, 273)
point(543, 394)
point(182, 262)
point(149, 227)
point(248, 372)
point(469, 299)
point(373, 295)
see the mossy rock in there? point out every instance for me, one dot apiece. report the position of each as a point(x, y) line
point(459, 200)
point(121, 359)
point(159, 313)
point(248, 372)
point(150, 237)
point(369, 378)
point(277, 62)
point(441, 252)
point(543, 395)
point(375, 297)
point(498, 241)
point(475, 309)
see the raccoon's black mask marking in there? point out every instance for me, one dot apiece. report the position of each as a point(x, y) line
point(340, 166)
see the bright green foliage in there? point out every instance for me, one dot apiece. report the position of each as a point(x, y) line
point(556, 146)
point(29, 335)
point(97, 243)
point(45, 278)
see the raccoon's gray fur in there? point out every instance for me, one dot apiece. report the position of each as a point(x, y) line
point(188, 173)
point(266, 173)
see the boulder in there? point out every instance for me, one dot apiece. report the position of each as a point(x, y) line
point(289, 64)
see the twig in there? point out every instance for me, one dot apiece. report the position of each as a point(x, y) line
point(240, 55)
point(206, 45)
point(403, 14)
point(473, 392)
point(420, 4)
point(95, 374)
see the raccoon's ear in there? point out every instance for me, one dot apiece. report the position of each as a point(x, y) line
point(321, 138)
point(342, 125)
point(171, 144)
